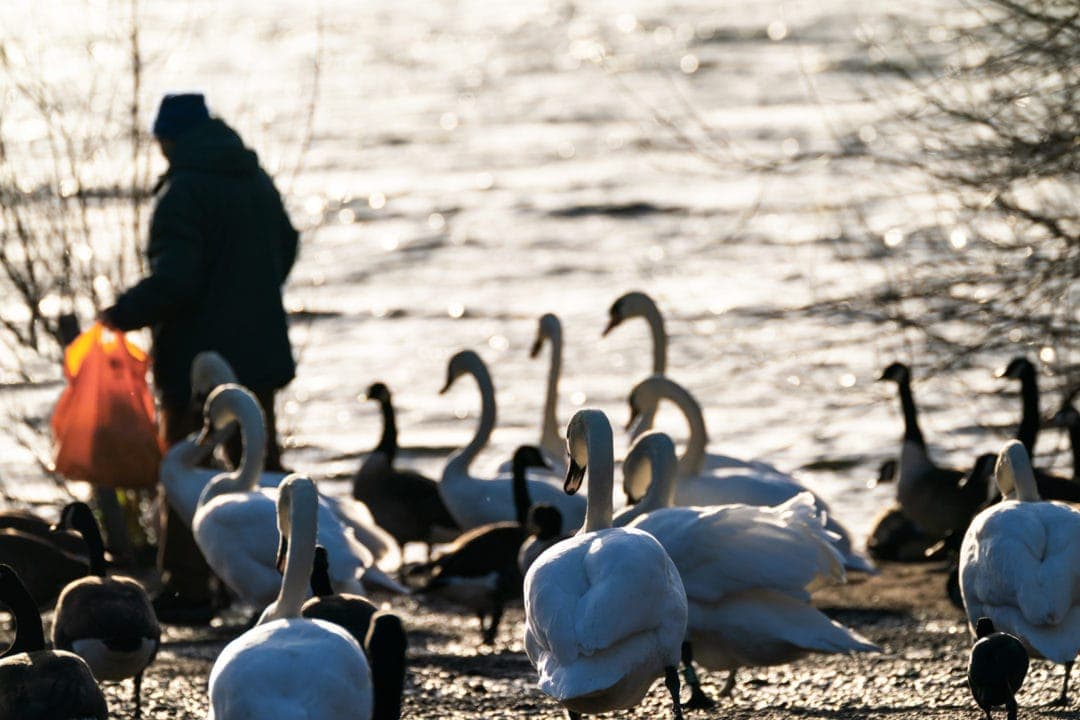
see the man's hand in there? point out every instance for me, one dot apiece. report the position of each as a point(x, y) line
point(105, 318)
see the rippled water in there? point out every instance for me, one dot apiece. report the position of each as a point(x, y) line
point(475, 164)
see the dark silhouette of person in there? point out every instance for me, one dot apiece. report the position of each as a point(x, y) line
point(220, 249)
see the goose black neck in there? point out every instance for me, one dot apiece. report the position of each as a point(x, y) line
point(80, 518)
point(1029, 420)
point(388, 443)
point(320, 574)
point(386, 645)
point(522, 501)
point(29, 635)
point(1074, 441)
point(911, 419)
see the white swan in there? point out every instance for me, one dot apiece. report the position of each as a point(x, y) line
point(638, 304)
point(605, 611)
point(550, 329)
point(1020, 567)
point(290, 667)
point(474, 501)
point(728, 481)
point(184, 482)
point(748, 572)
point(234, 518)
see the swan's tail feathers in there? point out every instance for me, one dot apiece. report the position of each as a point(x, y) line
point(858, 563)
point(375, 578)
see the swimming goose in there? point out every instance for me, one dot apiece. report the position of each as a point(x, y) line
point(45, 561)
point(379, 633)
point(40, 684)
point(234, 518)
point(184, 482)
point(474, 501)
point(594, 650)
point(287, 666)
point(935, 498)
point(1020, 568)
point(748, 573)
point(403, 502)
point(638, 304)
point(996, 668)
point(107, 621)
point(480, 570)
point(727, 481)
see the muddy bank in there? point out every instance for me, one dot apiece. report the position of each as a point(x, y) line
point(921, 674)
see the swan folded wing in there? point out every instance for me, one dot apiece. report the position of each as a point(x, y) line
point(728, 488)
point(554, 586)
point(633, 587)
point(359, 519)
point(589, 674)
point(238, 535)
point(1009, 561)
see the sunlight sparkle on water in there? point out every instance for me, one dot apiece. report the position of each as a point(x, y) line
point(376, 201)
point(894, 237)
point(689, 64)
point(777, 30)
point(1047, 354)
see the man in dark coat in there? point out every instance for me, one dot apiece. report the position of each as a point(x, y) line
point(221, 246)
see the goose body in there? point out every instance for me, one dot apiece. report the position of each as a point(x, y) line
point(234, 521)
point(107, 621)
point(1020, 568)
point(996, 669)
point(697, 485)
point(605, 611)
point(40, 684)
point(45, 566)
point(748, 572)
point(287, 666)
point(480, 570)
point(475, 501)
point(403, 502)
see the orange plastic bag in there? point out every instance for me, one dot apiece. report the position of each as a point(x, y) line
point(103, 424)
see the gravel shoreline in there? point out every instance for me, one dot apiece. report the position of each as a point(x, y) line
point(921, 674)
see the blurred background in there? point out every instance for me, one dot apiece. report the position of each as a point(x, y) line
point(810, 189)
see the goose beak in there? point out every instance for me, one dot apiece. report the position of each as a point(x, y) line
point(574, 475)
point(613, 323)
point(446, 386)
point(537, 346)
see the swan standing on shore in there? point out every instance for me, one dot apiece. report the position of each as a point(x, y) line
point(748, 573)
point(1019, 565)
point(727, 481)
point(475, 501)
point(605, 611)
point(234, 519)
point(287, 666)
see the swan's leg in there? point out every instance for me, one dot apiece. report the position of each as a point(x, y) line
point(137, 691)
point(493, 628)
point(671, 679)
point(1063, 698)
point(729, 685)
point(698, 699)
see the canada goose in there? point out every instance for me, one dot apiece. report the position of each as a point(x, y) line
point(480, 570)
point(724, 480)
point(1022, 369)
point(380, 634)
point(935, 498)
point(748, 572)
point(545, 526)
point(234, 517)
point(1019, 565)
point(473, 500)
point(1068, 417)
point(25, 521)
point(288, 666)
point(996, 669)
point(107, 621)
point(45, 561)
point(638, 304)
point(403, 502)
point(594, 651)
point(40, 684)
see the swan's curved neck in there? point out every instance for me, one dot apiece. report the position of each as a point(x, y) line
point(912, 432)
point(301, 529)
point(461, 460)
point(659, 337)
point(601, 469)
point(693, 458)
point(1027, 490)
point(29, 635)
point(388, 443)
point(549, 433)
point(1029, 420)
point(661, 492)
point(246, 477)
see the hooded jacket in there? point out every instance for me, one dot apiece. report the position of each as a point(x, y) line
point(221, 246)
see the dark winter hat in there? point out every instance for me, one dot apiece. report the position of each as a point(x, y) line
point(179, 113)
